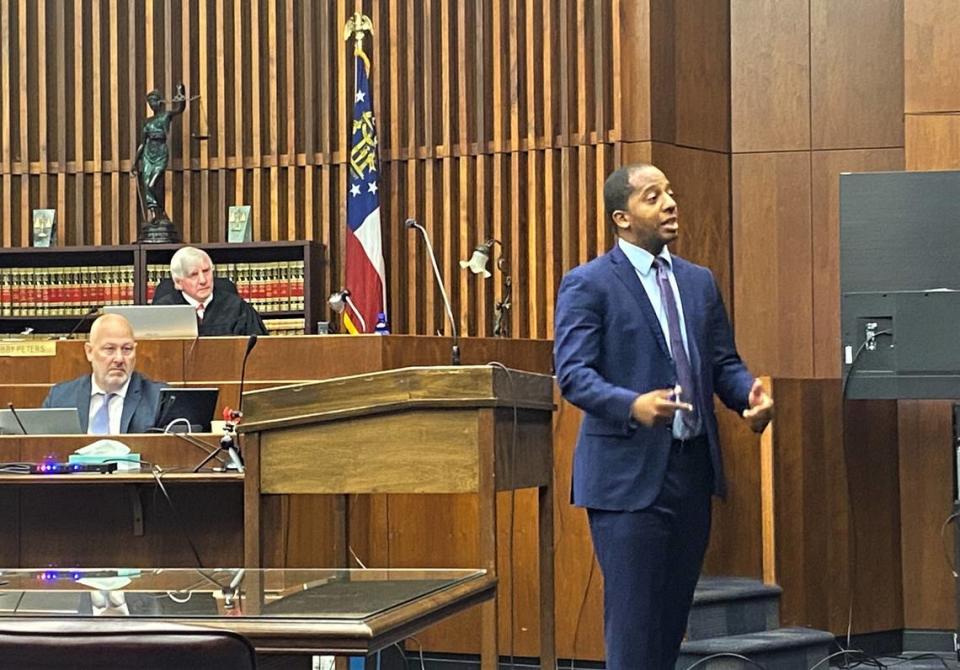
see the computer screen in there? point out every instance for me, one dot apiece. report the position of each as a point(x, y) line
point(158, 320)
point(40, 421)
point(186, 405)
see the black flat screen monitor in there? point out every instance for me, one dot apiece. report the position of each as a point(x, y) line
point(900, 284)
point(186, 405)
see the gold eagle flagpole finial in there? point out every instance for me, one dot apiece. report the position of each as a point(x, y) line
point(357, 26)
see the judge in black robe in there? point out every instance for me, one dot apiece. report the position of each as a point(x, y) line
point(224, 312)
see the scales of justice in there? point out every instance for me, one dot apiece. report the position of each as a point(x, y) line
point(150, 164)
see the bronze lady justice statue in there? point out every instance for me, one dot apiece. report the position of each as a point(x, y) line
point(150, 164)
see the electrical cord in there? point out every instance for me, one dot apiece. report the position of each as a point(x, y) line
point(851, 529)
point(16, 468)
point(583, 607)
point(943, 541)
point(183, 420)
point(356, 558)
point(181, 602)
point(121, 459)
point(728, 654)
point(23, 468)
point(903, 658)
point(346, 521)
point(856, 357)
point(420, 649)
point(206, 447)
point(158, 476)
point(829, 657)
point(403, 651)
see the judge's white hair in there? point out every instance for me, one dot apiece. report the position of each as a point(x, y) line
point(186, 259)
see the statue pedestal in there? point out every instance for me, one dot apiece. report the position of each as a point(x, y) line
point(159, 231)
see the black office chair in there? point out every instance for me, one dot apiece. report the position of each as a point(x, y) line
point(120, 643)
point(165, 287)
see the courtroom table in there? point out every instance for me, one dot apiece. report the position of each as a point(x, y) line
point(285, 611)
point(122, 518)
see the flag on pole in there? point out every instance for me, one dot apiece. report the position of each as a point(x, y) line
point(364, 269)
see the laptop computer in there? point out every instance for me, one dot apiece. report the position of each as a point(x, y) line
point(41, 421)
point(186, 405)
point(158, 320)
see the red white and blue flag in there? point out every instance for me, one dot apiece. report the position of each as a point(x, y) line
point(364, 270)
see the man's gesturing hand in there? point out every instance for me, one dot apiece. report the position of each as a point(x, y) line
point(657, 406)
point(761, 408)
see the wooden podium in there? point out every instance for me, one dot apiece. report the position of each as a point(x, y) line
point(440, 429)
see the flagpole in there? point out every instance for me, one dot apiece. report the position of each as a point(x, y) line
point(357, 27)
point(364, 266)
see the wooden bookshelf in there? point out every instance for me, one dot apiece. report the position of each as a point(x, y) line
point(49, 290)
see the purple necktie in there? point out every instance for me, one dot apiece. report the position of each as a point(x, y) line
point(680, 359)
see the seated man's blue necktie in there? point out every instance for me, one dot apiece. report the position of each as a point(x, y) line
point(680, 359)
point(101, 420)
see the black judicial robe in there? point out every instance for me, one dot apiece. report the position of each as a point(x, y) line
point(227, 314)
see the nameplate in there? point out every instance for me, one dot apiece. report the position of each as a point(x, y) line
point(28, 348)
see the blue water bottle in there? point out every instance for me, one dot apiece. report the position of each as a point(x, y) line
point(381, 328)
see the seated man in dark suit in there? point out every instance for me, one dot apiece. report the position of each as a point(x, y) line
point(220, 312)
point(113, 399)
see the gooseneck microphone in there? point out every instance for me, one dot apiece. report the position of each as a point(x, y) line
point(90, 312)
point(455, 352)
point(227, 443)
point(232, 418)
point(251, 343)
point(17, 417)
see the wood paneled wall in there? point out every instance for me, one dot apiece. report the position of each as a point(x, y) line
point(832, 547)
point(807, 102)
point(932, 142)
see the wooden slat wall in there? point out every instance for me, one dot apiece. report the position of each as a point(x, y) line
point(487, 128)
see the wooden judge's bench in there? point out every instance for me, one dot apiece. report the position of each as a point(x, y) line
point(500, 419)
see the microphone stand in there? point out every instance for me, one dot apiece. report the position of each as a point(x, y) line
point(455, 349)
point(90, 312)
point(17, 417)
point(227, 445)
point(232, 417)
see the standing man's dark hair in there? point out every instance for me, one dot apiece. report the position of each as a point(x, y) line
point(617, 188)
point(641, 344)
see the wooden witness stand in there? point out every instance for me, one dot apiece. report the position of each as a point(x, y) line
point(440, 429)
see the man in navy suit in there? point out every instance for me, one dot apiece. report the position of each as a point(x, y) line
point(113, 399)
point(642, 343)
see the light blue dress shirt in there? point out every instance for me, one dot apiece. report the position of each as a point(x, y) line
point(642, 262)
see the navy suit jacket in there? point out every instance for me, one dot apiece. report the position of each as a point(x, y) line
point(139, 405)
point(609, 348)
